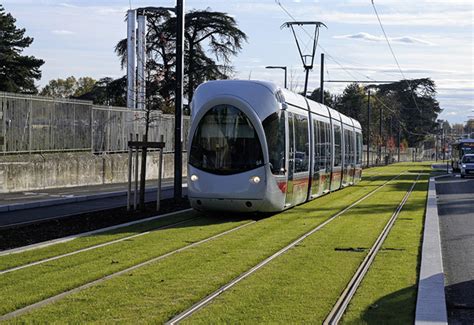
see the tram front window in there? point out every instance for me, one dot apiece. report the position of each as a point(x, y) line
point(225, 142)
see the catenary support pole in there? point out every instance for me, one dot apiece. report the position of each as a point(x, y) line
point(178, 134)
point(380, 136)
point(321, 82)
point(368, 128)
point(398, 142)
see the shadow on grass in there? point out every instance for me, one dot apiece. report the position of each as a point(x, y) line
point(59, 228)
point(395, 308)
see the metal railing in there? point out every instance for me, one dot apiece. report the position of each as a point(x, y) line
point(34, 124)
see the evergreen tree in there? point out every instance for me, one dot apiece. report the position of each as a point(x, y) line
point(210, 38)
point(17, 72)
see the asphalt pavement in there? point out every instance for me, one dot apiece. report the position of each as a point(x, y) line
point(456, 218)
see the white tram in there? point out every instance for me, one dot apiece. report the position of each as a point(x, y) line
point(257, 147)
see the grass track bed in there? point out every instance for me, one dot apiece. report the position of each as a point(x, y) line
point(302, 285)
point(27, 286)
point(18, 259)
point(388, 292)
point(157, 292)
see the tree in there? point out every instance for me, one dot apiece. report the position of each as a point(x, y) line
point(417, 109)
point(68, 88)
point(329, 100)
point(108, 91)
point(17, 72)
point(352, 102)
point(207, 34)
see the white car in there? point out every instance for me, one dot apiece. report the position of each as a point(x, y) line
point(467, 165)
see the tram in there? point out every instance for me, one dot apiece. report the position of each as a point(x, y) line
point(255, 147)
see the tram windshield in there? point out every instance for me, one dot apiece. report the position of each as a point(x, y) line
point(225, 142)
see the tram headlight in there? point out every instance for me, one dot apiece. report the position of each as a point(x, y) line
point(463, 165)
point(194, 178)
point(255, 179)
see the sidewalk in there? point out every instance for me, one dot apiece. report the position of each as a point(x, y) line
point(27, 207)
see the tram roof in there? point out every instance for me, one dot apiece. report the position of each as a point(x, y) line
point(210, 89)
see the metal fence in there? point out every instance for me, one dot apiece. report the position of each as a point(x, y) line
point(32, 124)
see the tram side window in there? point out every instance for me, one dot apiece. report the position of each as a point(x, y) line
point(327, 142)
point(337, 145)
point(359, 149)
point(274, 127)
point(301, 143)
point(347, 148)
point(352, 147)
point(317, 144)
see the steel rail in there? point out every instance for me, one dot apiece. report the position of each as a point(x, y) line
point(200, 304)
point(57, 297)
point(342, 303)
point(88, 233)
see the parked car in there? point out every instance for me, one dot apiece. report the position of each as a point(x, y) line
point(467, 165)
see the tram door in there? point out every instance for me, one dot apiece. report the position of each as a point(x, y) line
point(291, 160)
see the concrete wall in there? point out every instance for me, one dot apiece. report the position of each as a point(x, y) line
point(39, 171)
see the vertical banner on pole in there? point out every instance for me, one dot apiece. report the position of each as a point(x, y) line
point(131, 60)
point(178, 133)
point(141, 61)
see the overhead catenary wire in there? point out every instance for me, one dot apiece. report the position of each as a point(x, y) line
point(331, 57)
point(393, 54)
point(278, 2)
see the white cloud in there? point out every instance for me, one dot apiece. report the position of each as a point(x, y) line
point(374, 38)
point(62, 32)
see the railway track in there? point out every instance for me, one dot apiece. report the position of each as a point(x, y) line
point(336, 314)
point(54, 298)
point(203, 302)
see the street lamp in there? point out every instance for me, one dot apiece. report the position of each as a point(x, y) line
point(277, 67)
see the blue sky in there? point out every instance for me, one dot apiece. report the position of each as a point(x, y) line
point(431, 38)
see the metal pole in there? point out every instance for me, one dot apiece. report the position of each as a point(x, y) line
point(286, 79)
point(321, 83)
point(398, 141)
point(160, 168)
point(306, 82)
point(368, 128)
point(380, 137)
point(178, 134)
point(130, 161)
point(135, 193)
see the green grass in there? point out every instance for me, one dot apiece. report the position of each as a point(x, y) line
point(27, 286)
point(18, 259)
point(303, 285)
point(157, 292)
point(388, 292)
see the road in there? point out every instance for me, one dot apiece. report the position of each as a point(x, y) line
point(456, 218)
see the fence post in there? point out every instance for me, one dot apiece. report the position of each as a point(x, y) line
point(160, 168)
point(129, 190)
point(135, 193)
point(30, 138)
